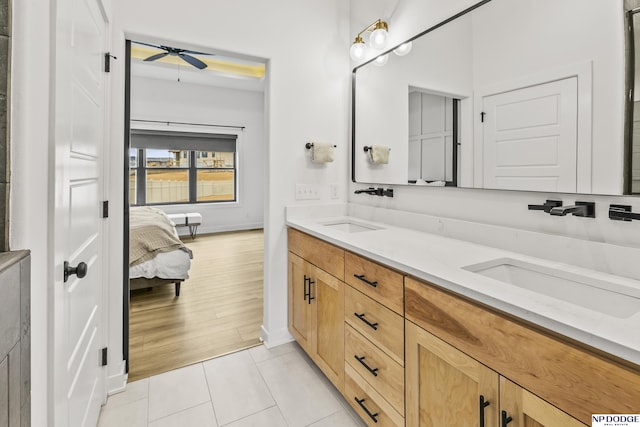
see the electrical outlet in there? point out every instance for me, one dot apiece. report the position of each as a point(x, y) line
point(333, 191)
point(307, 192)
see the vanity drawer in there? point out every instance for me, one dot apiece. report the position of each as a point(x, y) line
point(377, 323)
point(319, 253)
point(362, 395)
point(376, 281)
point(382, 372)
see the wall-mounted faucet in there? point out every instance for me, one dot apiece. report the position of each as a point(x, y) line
point(546, 206)
point(388, 192)
point(584, 209)
point(622, 213)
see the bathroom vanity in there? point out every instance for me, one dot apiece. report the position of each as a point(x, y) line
point(419, 329)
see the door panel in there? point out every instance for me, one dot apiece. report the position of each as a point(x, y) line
point(444, 385)
point(79, 118)
point(528, 410)
point(530, 138)
point(299, 307)
point(329, 294)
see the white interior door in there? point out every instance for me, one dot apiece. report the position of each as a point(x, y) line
point(78, 134)
point(530, 138)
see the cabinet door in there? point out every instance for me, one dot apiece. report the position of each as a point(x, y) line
point(300, 307)
point(528, 410)
point(445, 387)
point(328, 303)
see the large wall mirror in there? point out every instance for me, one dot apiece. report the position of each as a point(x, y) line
point(509, 94)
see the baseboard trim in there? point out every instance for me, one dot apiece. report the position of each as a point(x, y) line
point(118, 382)
point(274, 339)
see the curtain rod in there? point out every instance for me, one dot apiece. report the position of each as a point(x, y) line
point(190, 124)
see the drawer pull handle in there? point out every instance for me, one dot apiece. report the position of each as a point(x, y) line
point(374, 371)
point(362, 278)
point(364, 408)
point(483, 404)
point(505, 419)
point(373, 326)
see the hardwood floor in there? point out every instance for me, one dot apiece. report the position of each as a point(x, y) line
point(219, 309)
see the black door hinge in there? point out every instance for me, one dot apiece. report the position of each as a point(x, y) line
point(105, 209)
point(107, 62)
point(104, 357)
point(482, 116)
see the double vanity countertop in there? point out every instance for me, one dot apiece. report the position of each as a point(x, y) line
point(598, 309)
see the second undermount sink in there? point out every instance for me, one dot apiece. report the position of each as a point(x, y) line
point(605, 297)
point(349, 226)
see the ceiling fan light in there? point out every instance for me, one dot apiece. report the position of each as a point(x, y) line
point(403, 49)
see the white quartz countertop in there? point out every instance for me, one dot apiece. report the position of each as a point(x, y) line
point(440, 260)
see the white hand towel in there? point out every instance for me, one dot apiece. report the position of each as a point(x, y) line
point(379, 154)
point(322, 152)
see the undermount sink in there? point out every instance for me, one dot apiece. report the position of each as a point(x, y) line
point(349, 226)
point(605, 297)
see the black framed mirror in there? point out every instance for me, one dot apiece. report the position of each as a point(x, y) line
point(539, 88)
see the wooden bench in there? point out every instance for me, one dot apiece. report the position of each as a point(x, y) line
point(191, 220)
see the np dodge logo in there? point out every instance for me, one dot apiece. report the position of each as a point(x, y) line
point(615, 420)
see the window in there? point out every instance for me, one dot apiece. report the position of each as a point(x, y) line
point(181, 167)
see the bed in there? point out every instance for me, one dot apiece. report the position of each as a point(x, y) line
point(156, 255)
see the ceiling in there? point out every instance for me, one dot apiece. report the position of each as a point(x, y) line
point(221, 71)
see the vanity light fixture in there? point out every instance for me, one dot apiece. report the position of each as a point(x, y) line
point(381, 60)
point(403, 49)
point(379, 34)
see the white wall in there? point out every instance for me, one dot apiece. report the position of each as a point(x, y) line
point(173, 101)
point(508, 208)
point(29, 227)
point(305, 44)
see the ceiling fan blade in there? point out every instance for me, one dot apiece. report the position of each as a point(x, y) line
point(193, 61)
point(157, 56)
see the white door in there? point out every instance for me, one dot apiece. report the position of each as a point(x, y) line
point(530, 138)
point(78, 134)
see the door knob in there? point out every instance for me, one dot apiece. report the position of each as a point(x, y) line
point(80, 270)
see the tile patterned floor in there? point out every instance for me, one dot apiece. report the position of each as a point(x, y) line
point(278, 387)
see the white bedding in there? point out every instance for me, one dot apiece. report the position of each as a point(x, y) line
point(166, 265)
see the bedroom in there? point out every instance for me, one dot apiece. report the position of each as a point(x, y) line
point(203, 127)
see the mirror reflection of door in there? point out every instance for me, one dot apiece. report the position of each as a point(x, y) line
point(530, 138)
point(432, 137)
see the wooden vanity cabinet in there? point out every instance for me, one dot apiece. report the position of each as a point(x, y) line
point(374, 341)
point(559, 383)
point(316, 302)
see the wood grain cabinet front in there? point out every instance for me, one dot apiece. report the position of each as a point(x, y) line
point(560, 383)
point(378, 282)
point(316, 307)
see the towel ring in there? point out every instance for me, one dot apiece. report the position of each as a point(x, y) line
point(308, 145)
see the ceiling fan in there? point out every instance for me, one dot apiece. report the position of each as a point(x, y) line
point(181, 53)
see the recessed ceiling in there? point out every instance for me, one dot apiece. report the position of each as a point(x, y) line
point(221, 71)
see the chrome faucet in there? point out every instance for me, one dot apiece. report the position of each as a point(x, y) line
point(584, 209)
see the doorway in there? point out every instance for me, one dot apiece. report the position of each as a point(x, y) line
point(196, 92)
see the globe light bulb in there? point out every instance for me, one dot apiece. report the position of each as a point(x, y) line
point(357, 50)
point(378, 38)
point(403, 49)
point(381, 60)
